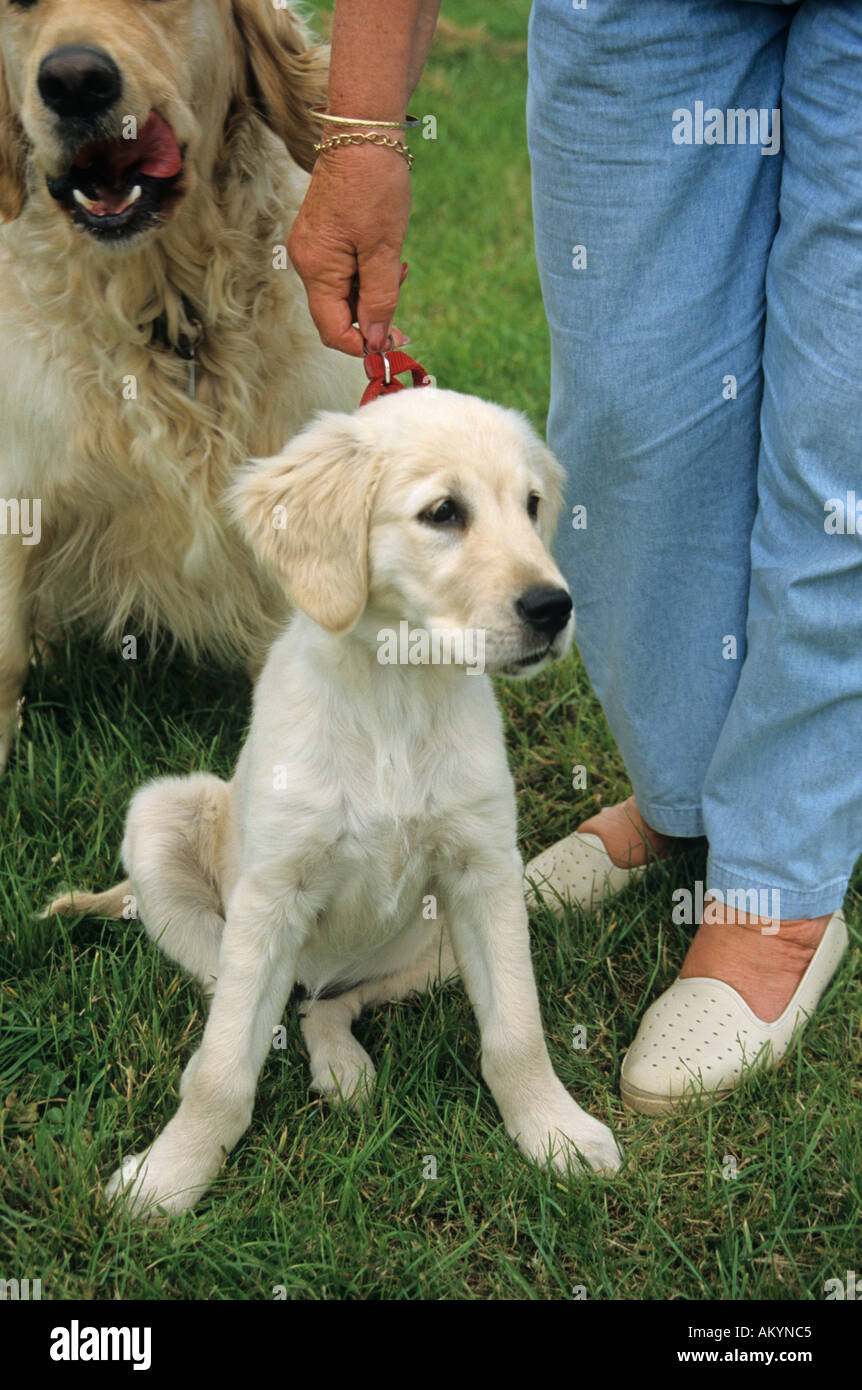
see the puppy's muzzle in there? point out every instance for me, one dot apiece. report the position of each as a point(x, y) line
point(545, 610)
point(79, 83)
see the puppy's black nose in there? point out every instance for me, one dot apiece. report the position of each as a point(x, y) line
point(545, 609)
point(78, 81)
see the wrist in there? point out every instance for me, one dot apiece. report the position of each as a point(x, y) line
point(348, 149)
point(362, 139)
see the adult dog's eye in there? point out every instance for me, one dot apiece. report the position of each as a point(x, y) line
point(23, 4)
point(447, 512)
point(533, 505)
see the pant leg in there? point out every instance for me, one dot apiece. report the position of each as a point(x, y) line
point(656, 348)
point(783, 793)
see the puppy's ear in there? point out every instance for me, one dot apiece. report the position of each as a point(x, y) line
point(12, 156)
point(282, 76)
point(552, 492)
point(306, 514)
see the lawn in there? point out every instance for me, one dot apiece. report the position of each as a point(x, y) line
point(96, 1026)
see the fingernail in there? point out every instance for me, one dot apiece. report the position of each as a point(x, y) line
point(376, 337)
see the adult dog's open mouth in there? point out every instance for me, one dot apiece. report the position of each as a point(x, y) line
point(117, 188)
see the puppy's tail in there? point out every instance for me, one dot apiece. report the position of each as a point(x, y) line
point(115, 902)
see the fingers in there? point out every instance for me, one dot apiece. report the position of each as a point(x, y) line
point(336, 309)
point(327, 270)
point(346, 246)
point(334, 320)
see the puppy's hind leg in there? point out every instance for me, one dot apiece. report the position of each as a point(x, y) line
point(177, 836)
point(341, 1069)
point(116, 903)
point(177, 839)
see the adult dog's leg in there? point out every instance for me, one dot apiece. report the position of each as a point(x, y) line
point(340, 1067)
point(256, 972)
point(15, 611)
point(488, 922)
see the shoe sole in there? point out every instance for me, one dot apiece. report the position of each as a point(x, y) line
point(649, 1103)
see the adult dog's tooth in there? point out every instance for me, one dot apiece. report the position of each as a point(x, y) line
point(85, 202)
point(135, 194)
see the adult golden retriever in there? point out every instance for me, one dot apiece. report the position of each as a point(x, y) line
point(152, 333)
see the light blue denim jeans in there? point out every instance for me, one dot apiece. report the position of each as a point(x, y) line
point(704, 297)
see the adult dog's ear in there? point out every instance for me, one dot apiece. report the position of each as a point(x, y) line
point(12, 156)
point(282, 76)
point(306, 514)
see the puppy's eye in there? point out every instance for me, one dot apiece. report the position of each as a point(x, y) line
point(446, 512)
point(23, 4)
point(533, 505)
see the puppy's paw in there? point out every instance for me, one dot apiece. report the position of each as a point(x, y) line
point(149, 1188)
point(570, 1139)
point(345, 1075)
point(128, 1181)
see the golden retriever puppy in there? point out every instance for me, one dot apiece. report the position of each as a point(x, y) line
point(152, 333)
point(367, 844)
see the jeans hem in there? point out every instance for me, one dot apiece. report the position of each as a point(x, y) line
point(791, 902)
point(683, 824)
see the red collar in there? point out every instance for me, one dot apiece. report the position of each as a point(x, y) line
point(383, 367)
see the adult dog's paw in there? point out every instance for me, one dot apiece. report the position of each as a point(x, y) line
point(566, 1136)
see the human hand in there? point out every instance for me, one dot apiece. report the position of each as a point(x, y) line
point(346, 245)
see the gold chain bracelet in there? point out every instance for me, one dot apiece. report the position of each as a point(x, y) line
point(371, 137)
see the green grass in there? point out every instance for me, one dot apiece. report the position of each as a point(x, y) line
point(95, 1025)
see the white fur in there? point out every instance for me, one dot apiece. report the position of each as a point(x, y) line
point(363, 789)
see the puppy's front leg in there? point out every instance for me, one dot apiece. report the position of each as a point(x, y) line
point(256, 973)
point(488, 922)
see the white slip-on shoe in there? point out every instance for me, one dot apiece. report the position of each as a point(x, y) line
point(700, 1037)
point(577, 870)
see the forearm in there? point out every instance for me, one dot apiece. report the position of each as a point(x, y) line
point(379, 48)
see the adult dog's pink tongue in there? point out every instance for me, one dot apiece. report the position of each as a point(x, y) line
point(155, 152)
point(159, 152)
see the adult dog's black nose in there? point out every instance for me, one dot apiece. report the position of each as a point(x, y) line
point(545, 609)
point(78, 81)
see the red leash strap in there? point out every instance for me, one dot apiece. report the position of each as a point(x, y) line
point(383, 367)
